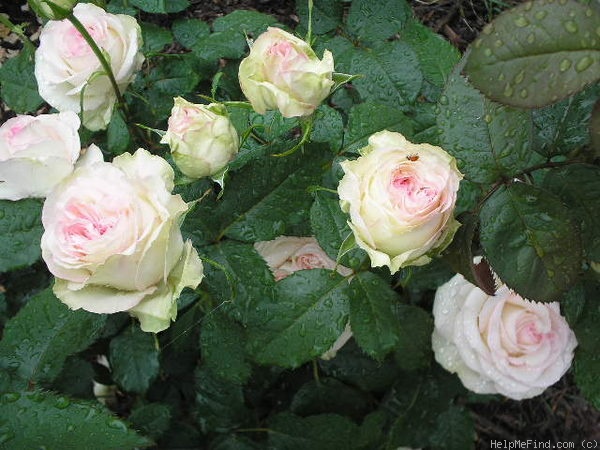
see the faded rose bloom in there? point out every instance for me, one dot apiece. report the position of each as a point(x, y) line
point(201, 137)
point(282, 72)
point(70, 75)
point(112, 239)
point(36, 153)
point(502, 343)
point(400, 197)
point(287, 254)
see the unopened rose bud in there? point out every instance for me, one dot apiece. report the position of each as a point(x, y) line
point(282, 72)
point(201, 137)
point(53, 9)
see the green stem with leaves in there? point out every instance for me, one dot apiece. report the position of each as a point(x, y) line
point(18, 30)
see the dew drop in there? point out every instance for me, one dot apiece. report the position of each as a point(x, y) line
point(498, 43)
point(443, 100)
point(117, 424)
point(540, 15)
point(519, 77)
point(584, 63)
point(531, 38)
point(521, 21)
point(487, 52)
point(565, 65)
point(487, 118)
point(523, 93)
point(488, 29)
point(589, 12)
point(508, 91)
point(571, 26)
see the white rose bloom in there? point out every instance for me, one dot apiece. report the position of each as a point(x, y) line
point(112, 239)
point(68, 72)
point(201, 137)
point(502, 343)
point(282, 72)
point(36, 153)
point(400, 197)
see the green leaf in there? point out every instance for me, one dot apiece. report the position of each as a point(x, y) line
point(371, 314)
point(133, 359)
point(241, 278)
point(320, 432)
point(329, 395)
point(376, 21)
point(368, 118)
point(219, 404)
point(155, 38)
point(37, 419)
point(19, 89)
point(437, 57)
point(391, 74)
point(328, 127)
point(278, 202)
point(189, 31)
point(117, 134)
point(537, 53)
point(222, 352)
point(587, 359)
point(120, 7)
point(161, 6)
point(326, 16)
point(76, 378)
point(531, 241)
point(415, 326)
point(563, 127)
point(152, 419)
point(578, 186)
point(43, 334)
point(455, 430)
point(20, 233)
point(488, 140)
point(308, 314)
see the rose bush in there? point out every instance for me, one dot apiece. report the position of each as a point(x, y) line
point(502, 343)
point(112, 239)
point(400, 197)
point(36, 153)
point(201, 137)
point(69, 74)
point(282, 72)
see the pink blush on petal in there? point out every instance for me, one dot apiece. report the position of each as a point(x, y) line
point(75, 43)
point(406, 190)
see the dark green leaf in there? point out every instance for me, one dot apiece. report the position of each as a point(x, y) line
point(152, 419)
point(117, 134)
point(222, 351)
point(161, 6)
point(455, 430)
point(308, 314)
point(531, 241)
point(537, 53)
point(20, 233)
point(76, 378)
point(414, 337)
point(488, 140)
point(243, 278)
point(321, 432)
point(19, 89)
point(437, 57)
point(133, 359)
point(391, 74)
point(368, 118)
point(376, 21)
point(371, 314)
point(326, 15)
point(43, 334)
point(37, 419)
point(188, 31)
point(120, 7)
point(578, 186)
point(155, 38)
point(219, 404)
point(563, 127)
point(328, 127)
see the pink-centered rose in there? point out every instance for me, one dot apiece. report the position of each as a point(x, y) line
point(36, 153)
point(288, 254)
point(112, 239)
point(201, 137)
point(69, 74)
point(400, 197)
point(502, 343)
point(282, 72)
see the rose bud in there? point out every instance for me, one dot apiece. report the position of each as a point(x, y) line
point(201, 137)
point(52, 9)
point(282, 72)
point(400, 197)
point(500, 343)
point(69, 74)
point(36, 153)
